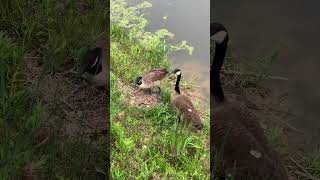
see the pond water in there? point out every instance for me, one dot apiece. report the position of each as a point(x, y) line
point(257, 27)
point(188, 20)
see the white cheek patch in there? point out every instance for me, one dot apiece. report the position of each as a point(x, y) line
point(190, 110)
point(178, 73)
point(143, 85)
point(219, 36)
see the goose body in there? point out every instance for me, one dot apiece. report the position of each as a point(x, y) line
point(94, 65)
point(151, 78)
point(235, 129)
point(183, 105)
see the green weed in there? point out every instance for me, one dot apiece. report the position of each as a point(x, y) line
point(279, 141)
point(312, 160)
point(248, 72)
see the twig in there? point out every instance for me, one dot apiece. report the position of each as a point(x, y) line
point(305, 172)
point(251, 74)
point(280, 111)
point(285, 123)
point(66, 103)
point(290, 126)
point(252, 105)
point(278, 78)
point(32, 57)
point(42, 142)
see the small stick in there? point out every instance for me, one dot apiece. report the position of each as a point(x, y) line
point(32, 57)
point(280, 111)
point(66, 103)
point(290, 126)
point(42, 142)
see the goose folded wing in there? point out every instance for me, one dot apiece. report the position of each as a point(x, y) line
point(154, 75)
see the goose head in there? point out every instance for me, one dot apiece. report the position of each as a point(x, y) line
point(177, 72)
point(218, 33)
point(139, 80)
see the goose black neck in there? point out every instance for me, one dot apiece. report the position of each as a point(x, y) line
point(177, 89)
point(216, 87)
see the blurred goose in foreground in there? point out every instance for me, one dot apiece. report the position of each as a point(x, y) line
point(94, 66)
point(182, 104)
point(151, 79)
point(235, 130)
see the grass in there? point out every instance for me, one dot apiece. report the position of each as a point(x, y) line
point(247, 72)
point(312, 160)
point(147, 142)
point(279, 141)
point(55, 33)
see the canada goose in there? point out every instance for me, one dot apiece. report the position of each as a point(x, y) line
point(94, 64)
point(151, 79)
point(235, 129)
point(182, 104)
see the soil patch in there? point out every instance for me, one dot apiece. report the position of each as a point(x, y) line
point(76, 108)
point(138, 97)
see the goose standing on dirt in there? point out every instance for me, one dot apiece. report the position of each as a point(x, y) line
point(183, 106)
point(235, 129)
point(151, 79)
point(94, 65)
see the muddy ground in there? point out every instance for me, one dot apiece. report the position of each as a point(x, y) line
point(75, 107)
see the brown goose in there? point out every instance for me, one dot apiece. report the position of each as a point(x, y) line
point(235, 130)
point(151, 78)
point(183, 106)
point(94, 66)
